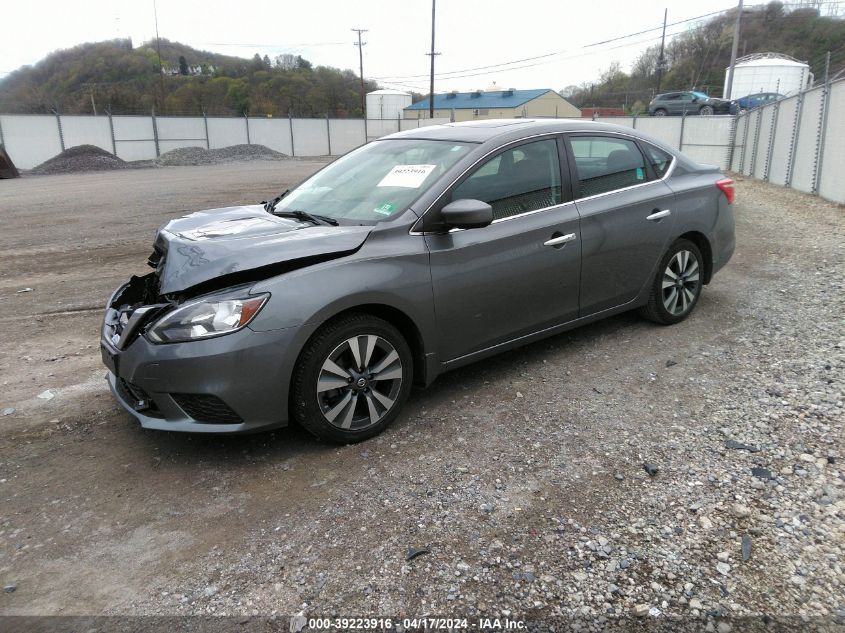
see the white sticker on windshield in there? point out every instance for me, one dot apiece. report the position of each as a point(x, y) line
point(410, 176)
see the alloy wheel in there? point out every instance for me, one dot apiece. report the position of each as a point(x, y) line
point(681, 283)
point(359, 382)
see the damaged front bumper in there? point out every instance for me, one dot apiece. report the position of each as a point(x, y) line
point(229, 384)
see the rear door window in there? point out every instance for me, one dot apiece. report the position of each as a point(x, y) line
point(606, 163)
point(525, 178)
point(660, 160)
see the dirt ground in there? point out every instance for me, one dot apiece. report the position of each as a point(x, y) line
point(503, 470)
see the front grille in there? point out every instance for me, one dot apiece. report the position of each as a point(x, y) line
point(206, 408)
point(138, 398)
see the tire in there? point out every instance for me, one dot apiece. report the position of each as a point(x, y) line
point(706, 110)
point(669, 305)
point(660, 112)
point(337, 398)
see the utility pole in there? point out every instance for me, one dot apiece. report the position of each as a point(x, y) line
point(160, 68)
point(726, 93)
point(661, 61)
point(432, 54)
point(360, 46)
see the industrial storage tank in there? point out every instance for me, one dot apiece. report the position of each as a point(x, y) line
point(387, 104)
point(768, 72)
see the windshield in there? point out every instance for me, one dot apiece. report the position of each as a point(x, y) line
point(700, 95)
point(374, 182)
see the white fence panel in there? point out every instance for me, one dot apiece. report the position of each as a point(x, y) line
point(87, 130)
point(707, 139)
point(376, 128)
point(779, 164)
point(30, 139)
point(310, 137)
point(175, 132)
point(226, 132)
point(665, 129)
point(761, 152)
point(346, 135)
point(134, 137)
point(750, 155)
point(274, 133)
point(805, 152)
point(832, 182)
point(624, 121)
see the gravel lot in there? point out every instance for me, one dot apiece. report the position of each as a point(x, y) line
point(523, 477)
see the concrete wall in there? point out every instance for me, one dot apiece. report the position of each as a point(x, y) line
point(32, 139)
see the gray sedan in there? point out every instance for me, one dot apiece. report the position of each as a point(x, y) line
point(410, 256)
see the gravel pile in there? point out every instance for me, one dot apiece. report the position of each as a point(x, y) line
point(201, 156)
point(689, 477)
point(80, 159)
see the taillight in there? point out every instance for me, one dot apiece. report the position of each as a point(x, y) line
point(726, 185)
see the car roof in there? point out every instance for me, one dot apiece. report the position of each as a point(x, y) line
point(507, 129)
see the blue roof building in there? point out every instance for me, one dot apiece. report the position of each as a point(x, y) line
point(494, 104)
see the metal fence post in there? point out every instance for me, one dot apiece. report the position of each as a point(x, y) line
point(111, 131)
point(744, 142)
point(772, 133)
point(793, 146)
point(246, 118)
point(683, 125)
point(820, 137)
point(155, 132)
point(290, 126)
point(59, 125)
point(732, 140)
point(634, 122)
point(2, 142)
point(329, 133)
point(756, 142)
point(205, 122)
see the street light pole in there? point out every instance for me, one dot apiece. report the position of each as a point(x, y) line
point(661, 61)
point(432, 54)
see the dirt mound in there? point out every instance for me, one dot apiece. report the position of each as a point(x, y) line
point(202, 156)
point(78, 159)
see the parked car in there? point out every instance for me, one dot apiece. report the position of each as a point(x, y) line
point(670, 103)
point(410, 256)
point(749, 102)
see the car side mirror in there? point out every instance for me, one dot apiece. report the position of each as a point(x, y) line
point(695, 99)
point(467, 214)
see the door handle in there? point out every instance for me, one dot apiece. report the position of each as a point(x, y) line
point(657, 215)
point(558, 241)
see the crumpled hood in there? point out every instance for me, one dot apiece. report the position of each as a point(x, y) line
point(208, 244)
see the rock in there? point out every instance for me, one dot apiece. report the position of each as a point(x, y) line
point(671, 363)
point(723, 568)
point(8, 410)
point(762, 473)
point(46, 395)
point(739, 446)
point(723, 627)
point(618, 476)
point(740, 511)
point(695, 603)
point(651, 469)
point(298, 622)
point(413, 552)
point(705, 523)
point(723, 556)
point(641, 610)
point(10, 588)
point(210, 591)
point(746, 547)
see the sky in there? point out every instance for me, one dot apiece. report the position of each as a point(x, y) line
point(470, 34)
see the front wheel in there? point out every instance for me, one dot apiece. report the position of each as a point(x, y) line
point(706, 110)
point(352, 378)
point(677, 284)
point(660, 112)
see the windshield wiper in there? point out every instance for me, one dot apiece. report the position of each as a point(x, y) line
point(271, 204)
point(309, 217)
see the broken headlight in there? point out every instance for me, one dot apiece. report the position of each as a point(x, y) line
point(204, 319)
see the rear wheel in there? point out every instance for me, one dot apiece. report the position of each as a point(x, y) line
point(351, 379)
point(677, 284)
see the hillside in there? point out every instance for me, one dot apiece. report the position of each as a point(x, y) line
point(697, 58)
point(127, 79)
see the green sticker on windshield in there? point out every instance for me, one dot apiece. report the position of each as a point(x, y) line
point(385, 209)
point(639, 173)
